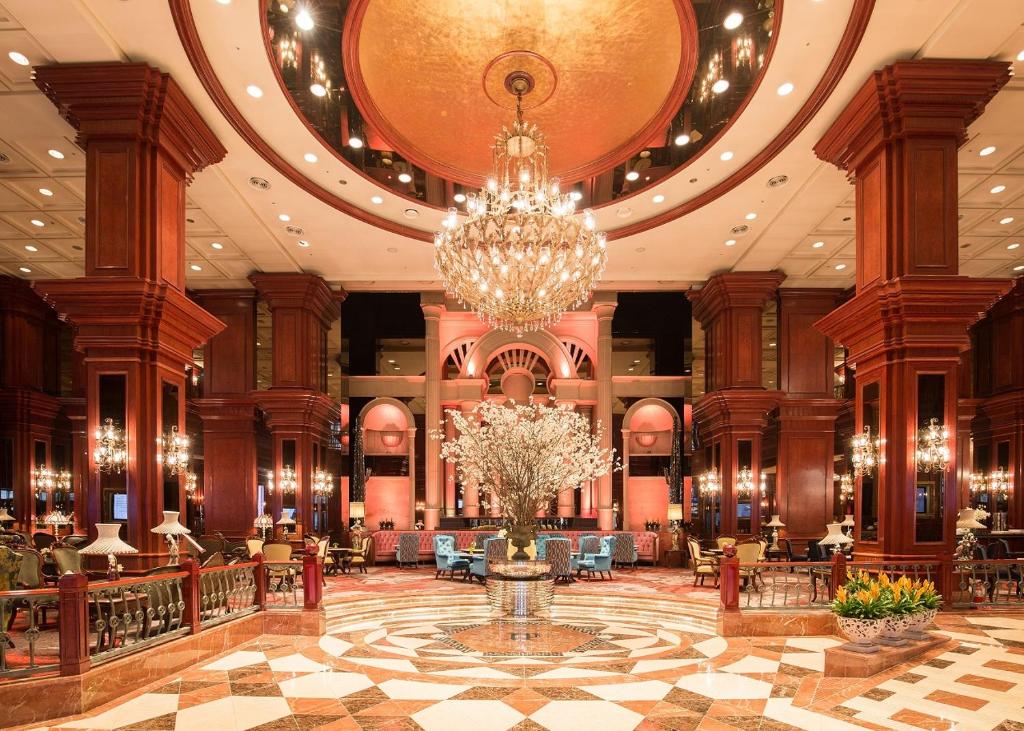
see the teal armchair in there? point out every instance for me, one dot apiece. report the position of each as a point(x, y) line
point(598, 563)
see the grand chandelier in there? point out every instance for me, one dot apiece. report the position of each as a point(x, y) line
point(522, 256)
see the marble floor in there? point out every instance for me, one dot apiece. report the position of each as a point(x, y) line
point(403, 651)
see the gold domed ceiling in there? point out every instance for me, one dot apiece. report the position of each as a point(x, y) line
point(412, 93)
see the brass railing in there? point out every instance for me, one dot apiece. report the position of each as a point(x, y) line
point(227, 592)
point(130, 614)
point(784, 585)
point(284, 587)
point(994, 584)
point(36, 647)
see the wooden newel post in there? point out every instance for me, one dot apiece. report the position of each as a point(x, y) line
point(946, 581)
point(260, 575)
point(73, 624)
point(838, 573)
point(729, 586)
point(312, 581)
point(190, 586)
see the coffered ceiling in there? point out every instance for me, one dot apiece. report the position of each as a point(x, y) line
point(235, 227)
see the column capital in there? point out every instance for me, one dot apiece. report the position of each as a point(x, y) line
point(302, 291)
point(923, 97)
point(733, 289)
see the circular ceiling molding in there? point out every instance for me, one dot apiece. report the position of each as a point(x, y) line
point(608, 79)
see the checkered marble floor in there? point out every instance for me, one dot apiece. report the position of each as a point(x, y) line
point(410, 659)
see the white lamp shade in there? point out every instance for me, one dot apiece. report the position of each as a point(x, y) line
point(263, 521)
point(848, 521)
point(5, 517)
point(776, 522)
point(835, 536)
point(357, 510)
point(286, 520)
point(966, 519)
point(170, 526)
point(54, 518)
point(107, 541)
point(675, 511)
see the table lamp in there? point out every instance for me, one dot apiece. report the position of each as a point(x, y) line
point(170, 529)
point(848, 523)
point(108, 541)
point(55, 519)
point(357, 511)
point(5, 517)
point(967, 519)
point(675, 517)
point(775, 523)
point(263, 523)
point(284, 521)
point(835, 537)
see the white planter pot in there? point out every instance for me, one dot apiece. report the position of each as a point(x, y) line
point(862, 633)
point(921, 621)
point(895, 627)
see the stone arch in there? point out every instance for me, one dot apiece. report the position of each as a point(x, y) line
point(550, 347)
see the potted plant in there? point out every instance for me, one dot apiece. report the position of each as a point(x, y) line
point(928, 601)
point(861, 608)
point(902, 606)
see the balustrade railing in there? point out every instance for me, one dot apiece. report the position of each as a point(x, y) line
point(35, 647)
point(283, 584)
point(129, 614)
point(227, 592)
point(995, 584)
point(784, 585)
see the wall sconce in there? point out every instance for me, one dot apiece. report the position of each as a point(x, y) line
point(287, 481)
point(845, 486)
point(323, 482)
point(110, 454)
point(864, 453)
point(645, 439)
point(933, 448)
point(62, 481)
point(174, 451)
point(1001, 484)
point(44, 480)
point(191, 483)
point(745, 483)
point(978, 483)
point(710, 483)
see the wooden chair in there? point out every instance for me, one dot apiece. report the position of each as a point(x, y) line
point(30, 576)
point(702, 565)
point(358, 558)
point(723, 541)
point(749, 553)
point(254, 546)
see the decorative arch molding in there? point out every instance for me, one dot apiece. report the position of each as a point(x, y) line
point(487, 348)
point(410, 420)
point(580, 352)
point(458, 354)
point(627, 418)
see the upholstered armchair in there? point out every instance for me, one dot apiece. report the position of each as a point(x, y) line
point(625, 550)
point(445, 557)
point(702, 565)
point(408, 551)
point(723, 541)
point(481, 538)
point(542, 541)
point(558, 553)
point(359, 556)
point(598, 563)
point(495, 549)
point(588, 544)
point(749, 553)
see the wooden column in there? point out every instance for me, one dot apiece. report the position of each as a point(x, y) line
point(143, 141)
point(906, 327)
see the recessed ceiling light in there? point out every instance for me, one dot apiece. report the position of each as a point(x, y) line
point(719, 86)
point(785, 89)
point(284, 217)
point(623, 211)
point(216, 245)
point(392, 249)
point(730, 242)
point(683, 139)
point(632, 175)
point(1013, 246)
point(576, 195)
point(658, 198)
point(254, 91)
point(817, 244)
point(1019, 268)
point(398, 367)
point(840, 267)
point(45, 191)
point(55, 154)
point(196, 268)
point(309, 157)
point(1004, 221)
point(224, 2)
point(726, 156)
point(641, 249)
point(1020, 56)
point(355, 143)
point(460, 197)
point(404, 178)
point(25, 269)
point(37, 222)
point(771, 345)
point(318, 89)
point(30, 247)
point(376, 200)
point(997, 189)
point(733, 20)
point(986, 151)
point(303, 243)
point(19, 58)
point(750, 216)
point(304, 20)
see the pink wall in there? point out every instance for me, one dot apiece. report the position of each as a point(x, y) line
point(388, 497)
point(647, 499)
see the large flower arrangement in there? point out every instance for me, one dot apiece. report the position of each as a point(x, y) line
point(525, 454)
point(900, 609)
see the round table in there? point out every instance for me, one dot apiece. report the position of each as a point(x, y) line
point(520, 589)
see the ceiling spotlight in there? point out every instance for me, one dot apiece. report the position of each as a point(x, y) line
point(304, 20)
point(658, 198)
point(318, 89)
point(303, 243)
point(216, 245)
point(309, 157)
point(986, 151)
point(719, 86)
point(726, 156)
point(1019, 268)
point(404, 178)
point(733, 20)
point(840, 267)
point(30, 247)
point(1003, 221)
point(632, 175)
point(376, 200)
point(254, 91)
point(46, 191)
point(355, 143)
point(224, 2)
point(19, 58)
point(284, 217)
point(37, 222)
point(25, 269)
point(411, 213)
point(997, 189)
point(576, 195)
point(750, 216)
point(55, 154)
point(460, 197)
point(196, 268)
point(1011, 247)
point(785, 89)
point(683, 139)
point(730, 242)
point(1020, 56)
point(817, 244)
point(391, 361)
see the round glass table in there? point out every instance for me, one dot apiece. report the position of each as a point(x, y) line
point(520, 589)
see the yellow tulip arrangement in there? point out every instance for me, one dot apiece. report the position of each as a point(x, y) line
point(866, 598)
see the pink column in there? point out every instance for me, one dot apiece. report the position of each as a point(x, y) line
point(604, 308)
point(470, 496)
point(449, 472)
point(587, 490)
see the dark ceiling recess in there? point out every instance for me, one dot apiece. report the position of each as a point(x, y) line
point(367, 317)
point(661, 316)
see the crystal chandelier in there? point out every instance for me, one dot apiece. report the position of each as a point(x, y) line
point(191, 483)
point(287, 481)
point(323, 482)
point(62, 481)
point(174, 451)
point(1001, 484)
point(978, 483)
point(710, 484)
point(110, 454)
point(522, 257)
point(845, 487)
point(933, 448)
point(864, 453)
point(44, 480)
point(745, 482)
